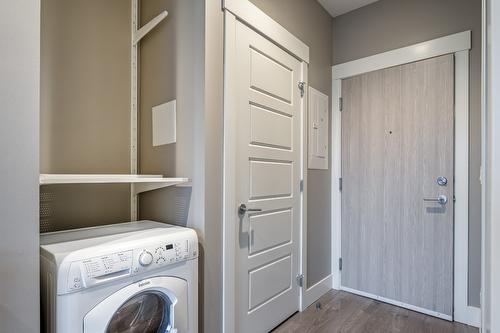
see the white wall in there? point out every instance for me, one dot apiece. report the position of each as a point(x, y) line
point(19, 141)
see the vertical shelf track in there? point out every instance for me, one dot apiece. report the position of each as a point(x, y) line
point(136, 35)
point(133, 106)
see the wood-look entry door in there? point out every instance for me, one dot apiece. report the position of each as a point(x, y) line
point(267, 174)
point(397, 195)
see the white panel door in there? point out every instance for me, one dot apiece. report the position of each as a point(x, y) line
point(267, 107)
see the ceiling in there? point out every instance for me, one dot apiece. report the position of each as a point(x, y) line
point(339, 7)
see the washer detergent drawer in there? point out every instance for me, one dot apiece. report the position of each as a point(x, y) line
point(93, 271)
point(156, 305)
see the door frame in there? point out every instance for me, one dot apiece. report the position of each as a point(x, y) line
point(491, 167)
point(245, 11)
point(458, 44)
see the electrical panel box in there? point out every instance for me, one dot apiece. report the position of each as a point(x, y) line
point(318, 130)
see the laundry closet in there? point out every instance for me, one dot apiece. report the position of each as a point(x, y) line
point(119, 105)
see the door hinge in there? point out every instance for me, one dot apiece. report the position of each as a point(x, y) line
point(340, 184)
point(300, 280)
point(340, 264)
point(301, 185)
point(341, 104)
point(302, 88)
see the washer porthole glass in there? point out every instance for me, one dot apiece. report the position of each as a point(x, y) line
point(146, 312)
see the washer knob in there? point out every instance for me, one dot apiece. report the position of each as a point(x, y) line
point(145, 258)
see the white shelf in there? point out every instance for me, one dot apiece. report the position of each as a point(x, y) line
point(140, 183)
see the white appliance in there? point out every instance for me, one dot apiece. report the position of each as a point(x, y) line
point(138, 277)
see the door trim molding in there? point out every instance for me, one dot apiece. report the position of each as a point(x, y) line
point(304, 290)
point(459, 44)
point(229, 176)
point(433, 48)
point(249, 13)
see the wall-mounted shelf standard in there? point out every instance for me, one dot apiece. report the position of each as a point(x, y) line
point(137, 34)
point(140, 183)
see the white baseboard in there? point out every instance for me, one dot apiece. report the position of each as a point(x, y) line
point(470, 315)
point(400, 304)
point(313, 293)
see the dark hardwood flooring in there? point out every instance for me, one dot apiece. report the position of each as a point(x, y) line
point(348, 313)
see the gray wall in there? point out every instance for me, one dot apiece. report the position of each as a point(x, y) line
point(171, 67)
point(85, 109)
point(390, 24)
point(309, 22)
point(19, 129)
point(182, 59)
point(214, 130)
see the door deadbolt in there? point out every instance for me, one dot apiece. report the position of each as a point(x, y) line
point(442, 181)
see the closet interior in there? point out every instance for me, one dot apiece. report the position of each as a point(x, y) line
point(99, 125)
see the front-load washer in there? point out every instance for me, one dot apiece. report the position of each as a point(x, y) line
point(138, 277)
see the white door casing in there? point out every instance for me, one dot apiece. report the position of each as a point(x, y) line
point(263, 132)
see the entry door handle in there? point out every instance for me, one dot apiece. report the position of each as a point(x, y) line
point(442, 199)
point(242, 209)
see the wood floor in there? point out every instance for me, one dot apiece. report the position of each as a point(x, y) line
point(348, 313)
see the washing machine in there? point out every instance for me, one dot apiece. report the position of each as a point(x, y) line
point(139, 277)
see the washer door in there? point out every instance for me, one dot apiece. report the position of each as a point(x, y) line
point(156, 305)
point(146, 312)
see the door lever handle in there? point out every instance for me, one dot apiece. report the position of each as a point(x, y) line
point(242, 209)
point(441, 199)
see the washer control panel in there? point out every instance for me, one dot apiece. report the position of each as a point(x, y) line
point(167, 253)
point(123, 262)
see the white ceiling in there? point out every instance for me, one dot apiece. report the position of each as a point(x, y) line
point(339, 7)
